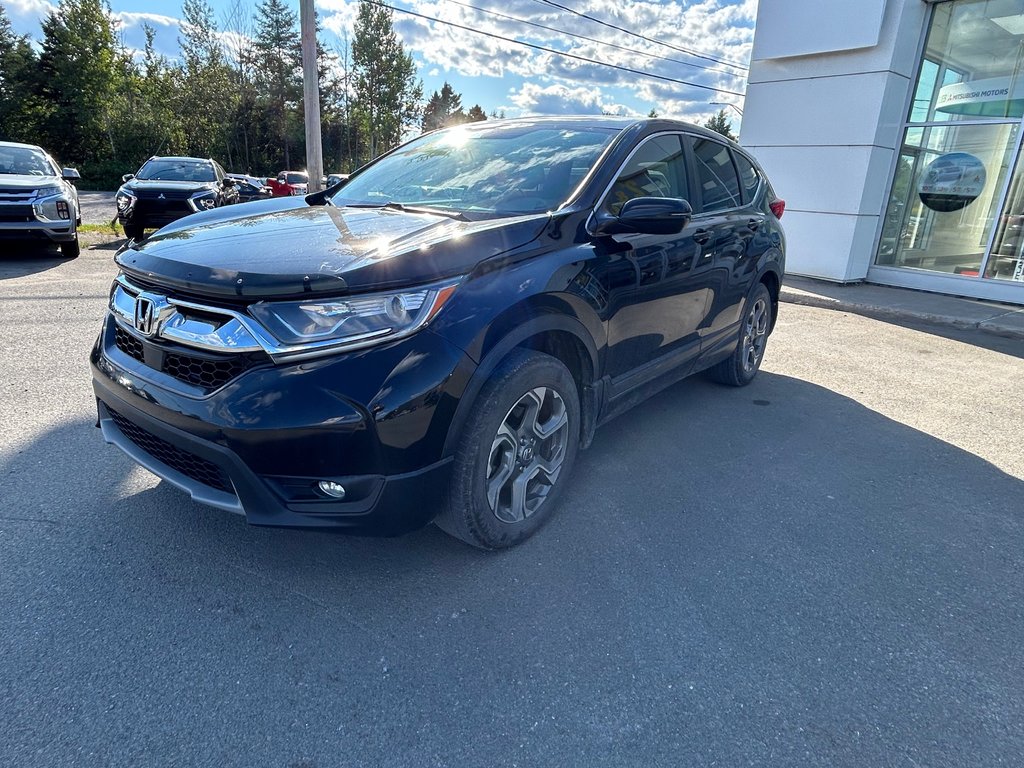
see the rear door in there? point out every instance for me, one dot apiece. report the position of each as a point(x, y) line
point(725, 225)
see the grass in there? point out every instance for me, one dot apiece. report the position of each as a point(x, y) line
point(102, 229)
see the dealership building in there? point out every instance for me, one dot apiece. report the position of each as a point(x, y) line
point(893, 130)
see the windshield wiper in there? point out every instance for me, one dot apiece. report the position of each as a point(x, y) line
point(391, 206)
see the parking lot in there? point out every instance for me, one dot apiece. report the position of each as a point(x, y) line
point(825, 568)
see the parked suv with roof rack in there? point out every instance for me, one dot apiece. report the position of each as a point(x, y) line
point(166, 189)
point(38, 200)
point(438, 337)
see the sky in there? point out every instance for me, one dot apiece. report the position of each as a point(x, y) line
point(708, 44)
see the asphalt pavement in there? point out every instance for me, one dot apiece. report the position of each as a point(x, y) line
point(97, 207)
point(824, 569)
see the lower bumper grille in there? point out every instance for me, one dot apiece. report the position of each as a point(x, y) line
point(178, 459)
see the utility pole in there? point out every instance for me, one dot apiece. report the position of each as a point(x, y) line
point(311, 96)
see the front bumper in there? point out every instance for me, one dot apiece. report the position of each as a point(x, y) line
point(374, 421)
point(52, 231)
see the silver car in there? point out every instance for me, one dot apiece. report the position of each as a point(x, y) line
point(37, 199)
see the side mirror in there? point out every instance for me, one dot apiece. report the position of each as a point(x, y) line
point(647, 216)
point(128, 177)
point(229, 182)
point(71, 174)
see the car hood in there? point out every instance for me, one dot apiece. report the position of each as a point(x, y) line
point(159, 185)
point(27, 181)
point(285, 247)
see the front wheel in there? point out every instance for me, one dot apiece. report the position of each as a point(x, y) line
point(133, 231)
point(740, 368)
point(517, 450)
point(71, 250)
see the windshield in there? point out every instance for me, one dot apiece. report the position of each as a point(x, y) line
point(504, 170)
point(176, 170)
point(25, 161)
point(297, 178)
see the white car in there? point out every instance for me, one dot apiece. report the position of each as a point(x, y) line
point(38, 200)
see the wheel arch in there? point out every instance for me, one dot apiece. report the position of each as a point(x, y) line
point(561, 336)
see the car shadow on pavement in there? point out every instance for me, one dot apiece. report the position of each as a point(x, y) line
point(778, 566)
point(20, 259)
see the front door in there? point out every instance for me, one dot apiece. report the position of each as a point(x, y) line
point(655, 327)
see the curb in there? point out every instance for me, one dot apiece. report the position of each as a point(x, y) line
point(794, 296)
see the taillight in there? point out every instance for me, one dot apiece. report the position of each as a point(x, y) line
point(778, 207)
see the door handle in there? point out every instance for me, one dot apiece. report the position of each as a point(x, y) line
point(753, 224)
point(702, 236)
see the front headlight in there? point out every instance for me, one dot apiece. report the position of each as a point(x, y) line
point(124, 199)
point(357, 321)
point(203, 201)
point(47, 191)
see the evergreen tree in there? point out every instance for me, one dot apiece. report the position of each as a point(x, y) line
point(443, 109)
point(279, 50)
point(207, 100)
point(386, 93)
point(18, 67)
point(78, 80)
point(476, 114)
point(720, 124)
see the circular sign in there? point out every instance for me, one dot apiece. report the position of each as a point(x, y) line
point(952, 182)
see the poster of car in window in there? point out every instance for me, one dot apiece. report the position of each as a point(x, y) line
point(951, 182)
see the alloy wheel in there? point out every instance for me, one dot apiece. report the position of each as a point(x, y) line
point(526, 455)
point(755, 334)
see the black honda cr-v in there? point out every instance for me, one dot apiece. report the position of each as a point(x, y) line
point(437, 338)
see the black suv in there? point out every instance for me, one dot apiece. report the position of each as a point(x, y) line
point(438, 337)
point(167, 188)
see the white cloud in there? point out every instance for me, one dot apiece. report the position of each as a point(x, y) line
point(558, 99)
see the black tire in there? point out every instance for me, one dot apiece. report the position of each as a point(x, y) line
point(486, 452)
point(740, 368)
point(71, 250)
point(133, 231)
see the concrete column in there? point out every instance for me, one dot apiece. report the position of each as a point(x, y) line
point(826, 100)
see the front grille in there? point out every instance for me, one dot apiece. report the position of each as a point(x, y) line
point(168, 194)
point(18, 214)
point(16, 195)
point(185, 462)
point(209, 372)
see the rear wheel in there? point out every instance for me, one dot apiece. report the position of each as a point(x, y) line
point(518, 448)
point(740, 368)
point(71, 250)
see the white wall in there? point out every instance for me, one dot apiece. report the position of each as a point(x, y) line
point(826, 97)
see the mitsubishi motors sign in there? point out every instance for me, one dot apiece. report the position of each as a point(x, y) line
point(991, 97)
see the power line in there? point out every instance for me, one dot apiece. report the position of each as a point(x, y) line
point(590, 39)
point(565, 54)
point(696, 54)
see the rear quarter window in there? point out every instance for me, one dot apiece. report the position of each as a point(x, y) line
point(750, 179)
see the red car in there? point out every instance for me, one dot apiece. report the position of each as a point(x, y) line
point(289, 183)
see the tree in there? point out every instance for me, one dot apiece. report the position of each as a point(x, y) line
point(279, 69)
point(207, 102)
point(720, 124)
point(18, 67)
point(443, 109)
point(78, 79)
point(653, 113)
point(476, 114)
point(386, 92)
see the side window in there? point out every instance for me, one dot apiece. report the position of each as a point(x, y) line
point(719, 185)
point(657, 169)
point(218, 171)
point(750, 179)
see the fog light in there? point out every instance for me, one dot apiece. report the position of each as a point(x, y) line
point(62, 210)
point(331, 488)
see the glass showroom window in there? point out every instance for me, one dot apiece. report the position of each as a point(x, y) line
point(955, 206)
